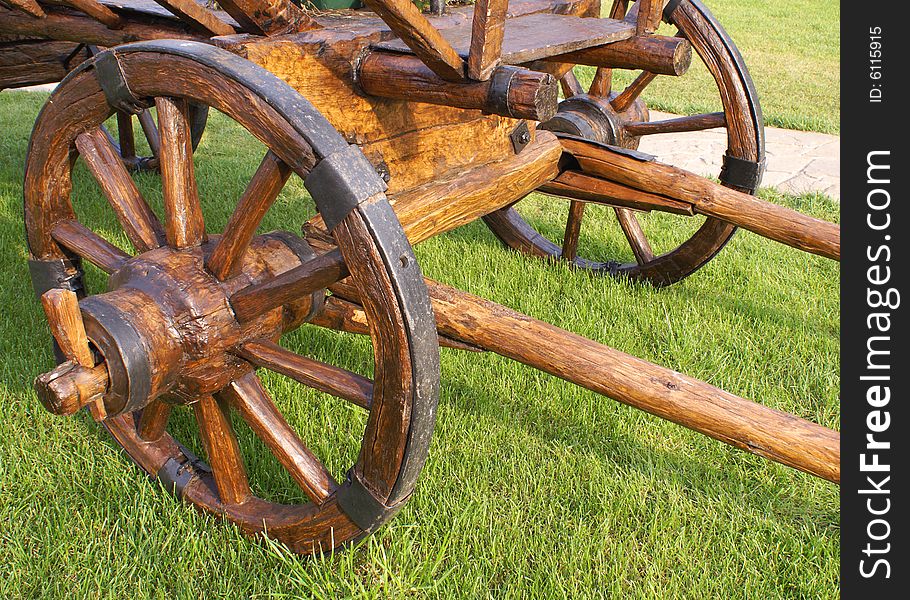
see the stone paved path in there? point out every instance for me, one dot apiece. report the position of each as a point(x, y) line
point(798, 161)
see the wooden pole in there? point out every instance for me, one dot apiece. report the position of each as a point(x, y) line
point(655, 53)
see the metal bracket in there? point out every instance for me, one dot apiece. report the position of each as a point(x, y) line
point(498, 92)
point(340, 182)
point(60, 273)
point(741, 173)
point(113, 82)
point(520, 136)
point(175, 475)
point(361, 506)
point(669, 9)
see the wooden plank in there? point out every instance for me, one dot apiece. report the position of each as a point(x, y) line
point(33, 62)
point(416, 34)
point(97, 11)
point(487, 32)
point(537, 36)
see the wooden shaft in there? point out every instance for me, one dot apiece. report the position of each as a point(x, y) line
point(670, 395)
point(510, 92)
point(773, 221)
point(65, 24)
point(655, 53)
point(578, 186)
point(29, 6)
point(268, 17)
point(97, 11)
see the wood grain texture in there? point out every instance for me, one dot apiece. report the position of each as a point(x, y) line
point(262, 190)
point(154, 419)
point(139, 223)
point(62, 309)
point(487, 33)
point(678, 124)
point(35, 62)
point(70, 386)
point(252, 401)
point(635, 235)
point(326, 378)
point(222, 450)
point(417, 34)
point(579, 186)
point(28, 6)
point(184, 225)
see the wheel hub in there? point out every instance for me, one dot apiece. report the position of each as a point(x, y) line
point(166, 326)
point(593, 118)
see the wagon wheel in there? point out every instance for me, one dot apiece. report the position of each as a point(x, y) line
point(621, 119)
point(165, 336)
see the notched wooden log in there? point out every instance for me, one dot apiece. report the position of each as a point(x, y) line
point(70, 386)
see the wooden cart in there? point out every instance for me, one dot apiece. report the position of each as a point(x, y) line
point(402, 125)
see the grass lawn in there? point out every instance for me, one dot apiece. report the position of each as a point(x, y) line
point(534, 488)
point(792, 51)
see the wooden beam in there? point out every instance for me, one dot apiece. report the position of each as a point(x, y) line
point(528, 94)
point(659, 54)
point(487, 32)
point(97, 11)
point(409, 24)
point(772, 221)
point(28, 6)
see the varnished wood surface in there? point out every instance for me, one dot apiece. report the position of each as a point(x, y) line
point(487, 33)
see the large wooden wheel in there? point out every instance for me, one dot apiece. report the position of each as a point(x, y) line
point(621, 119)
point(166, 335)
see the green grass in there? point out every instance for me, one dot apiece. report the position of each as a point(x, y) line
point(534, 488)
point(792, 51)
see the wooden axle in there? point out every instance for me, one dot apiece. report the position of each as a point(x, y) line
point(653, 53)
point(772, 221)
point(510, 91)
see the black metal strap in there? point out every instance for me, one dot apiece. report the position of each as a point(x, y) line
point(361, 506)
point(498, 93)
point(175, 476)
point(61, 273)
point(340, 182)
point(113, 82)
point(670, 8)
point(741, 173)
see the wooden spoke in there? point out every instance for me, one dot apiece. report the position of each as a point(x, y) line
point(641, 248)
point(62, 309)
point(633, 91)
point(185, 227)
point(197, 16)
point(97, 11)
point(153, 421)
point(602, 83)
point(150, 130)
point(330, 379)
point(222, 450)
point(312, 275)
point(125, 134)
point(139, 222)
point(570, 84)
point(79, 239)
point(573, 230)
point(487, 32)
point(680, 124)
point(252, 401)
point(259, 195)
